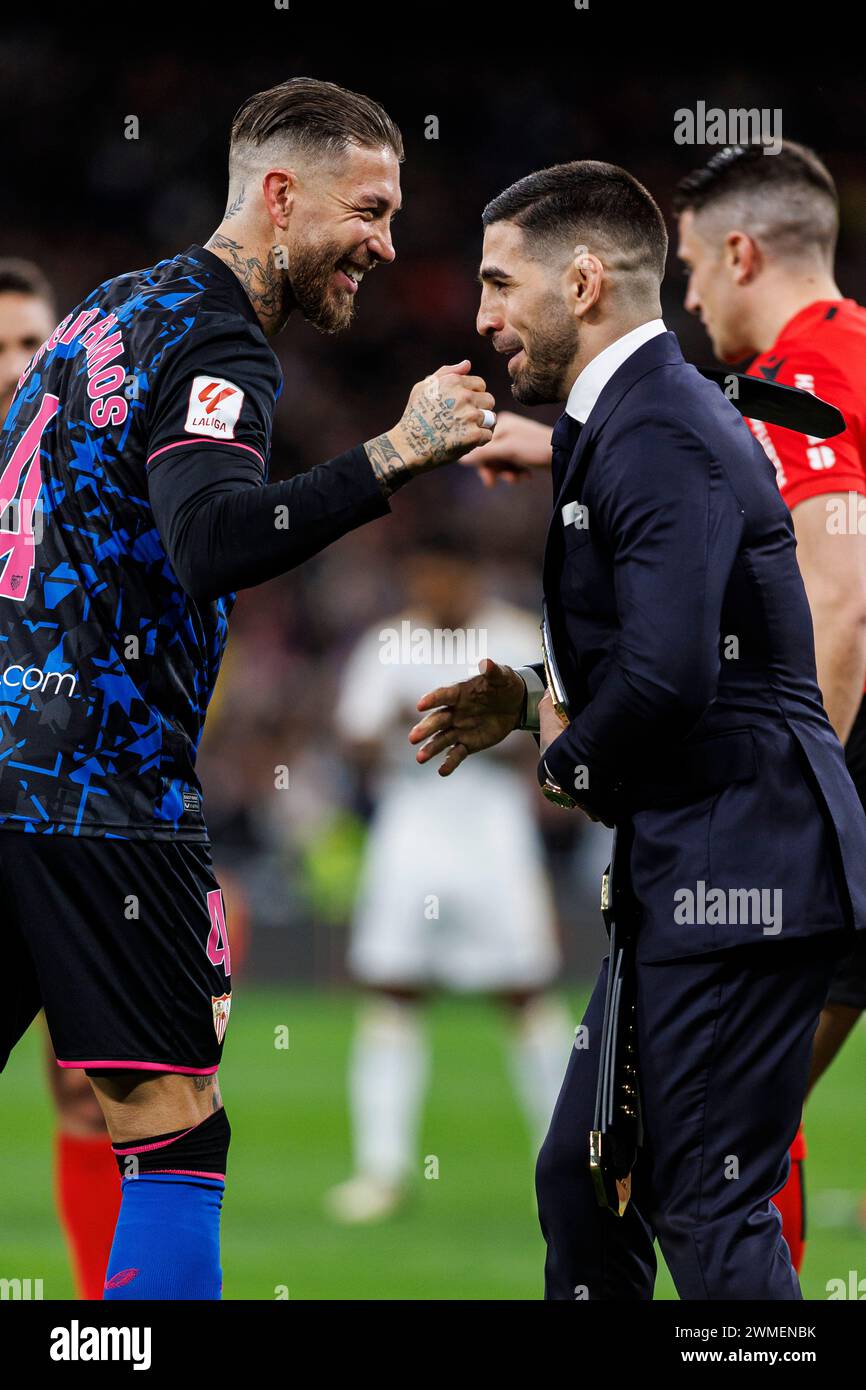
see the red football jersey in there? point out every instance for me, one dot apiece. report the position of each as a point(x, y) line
point(823, 350)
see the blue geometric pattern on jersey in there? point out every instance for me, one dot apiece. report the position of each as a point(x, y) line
point(106, 665)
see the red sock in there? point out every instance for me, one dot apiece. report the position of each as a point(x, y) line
point(87, 1190)
point(791, 1201)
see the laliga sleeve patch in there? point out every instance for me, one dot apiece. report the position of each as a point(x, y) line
point(214, 407)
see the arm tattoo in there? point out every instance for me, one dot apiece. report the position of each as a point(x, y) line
point(432, 430)
point(388, 464)
point(262, 280)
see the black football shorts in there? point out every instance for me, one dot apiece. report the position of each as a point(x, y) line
point(123, 943)
point(849, 982)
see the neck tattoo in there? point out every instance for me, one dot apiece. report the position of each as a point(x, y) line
point(262, 279)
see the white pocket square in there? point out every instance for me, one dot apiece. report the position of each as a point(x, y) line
point(575, 514)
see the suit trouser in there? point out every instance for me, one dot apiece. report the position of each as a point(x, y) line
point(724, 1047)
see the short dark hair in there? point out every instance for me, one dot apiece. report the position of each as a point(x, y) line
point(584, 198)
point(791, 195)
point(319, 117)
point(23, 277)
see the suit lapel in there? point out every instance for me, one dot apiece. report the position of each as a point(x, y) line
point(659, 351)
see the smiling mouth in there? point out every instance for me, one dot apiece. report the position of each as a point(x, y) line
point(350, 276)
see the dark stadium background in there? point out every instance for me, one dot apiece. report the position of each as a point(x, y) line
point(87, 203)
point(514, 88)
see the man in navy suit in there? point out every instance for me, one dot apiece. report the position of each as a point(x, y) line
point(682, 636)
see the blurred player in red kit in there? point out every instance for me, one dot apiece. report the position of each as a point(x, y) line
point(757, 239)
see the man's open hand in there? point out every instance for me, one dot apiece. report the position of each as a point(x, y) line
point(467, 717)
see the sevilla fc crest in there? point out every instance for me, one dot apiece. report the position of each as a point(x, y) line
point(222, 1005)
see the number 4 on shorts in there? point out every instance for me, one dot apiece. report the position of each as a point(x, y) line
point(218, 952)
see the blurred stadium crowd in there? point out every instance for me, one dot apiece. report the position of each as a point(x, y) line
point(87, 202)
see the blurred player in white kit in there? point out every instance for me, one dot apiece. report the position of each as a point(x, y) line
point(441, 904)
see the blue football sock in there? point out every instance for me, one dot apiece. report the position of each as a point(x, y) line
point(167, 1239)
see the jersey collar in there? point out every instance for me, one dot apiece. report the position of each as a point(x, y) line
point(812, 313)
point(228, 277)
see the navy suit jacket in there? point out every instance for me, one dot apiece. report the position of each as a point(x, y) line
point(683, 637)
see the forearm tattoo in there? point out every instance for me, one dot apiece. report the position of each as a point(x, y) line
point(432, 432)
point(388, 464)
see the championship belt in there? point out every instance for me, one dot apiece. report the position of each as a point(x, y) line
point(617, 1131)
point(555, 686)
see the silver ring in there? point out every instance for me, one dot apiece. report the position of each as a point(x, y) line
point(488, 419)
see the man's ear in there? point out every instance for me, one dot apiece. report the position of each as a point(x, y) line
point(278, 191)
point(585, 275)
point(743, 257)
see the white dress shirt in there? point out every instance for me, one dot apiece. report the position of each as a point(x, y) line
point(597, 373)
point(582, 397)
